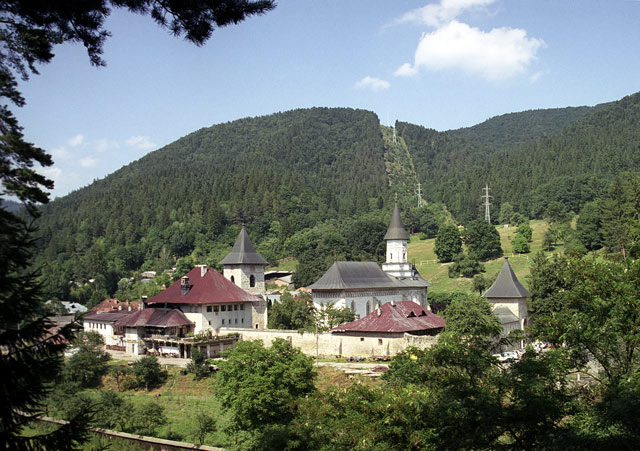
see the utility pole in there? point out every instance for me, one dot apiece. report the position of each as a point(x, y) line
point(419, 196)
point(487, 203)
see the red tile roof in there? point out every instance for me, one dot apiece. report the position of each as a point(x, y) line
point(107, 317)
point(158, 317)
point(109, 305)
point(210, 288)
point(404, 316)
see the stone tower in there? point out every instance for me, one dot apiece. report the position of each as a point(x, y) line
point(397, 263)
point(244, 266)
point(508, 299)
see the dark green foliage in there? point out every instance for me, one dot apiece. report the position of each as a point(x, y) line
point(526, 231)
point(619, 213)
point(260, 386)
point(506, 213)
point(89, 363)
point(483, 240)
point(330, 316)
point(448, 243)
point(567, 161)
point(198, 365)
point(147, 417)
point(519, 244)
point(113, 410)
point(148, 372)
point(588, 226)
point(204, 424)
point(471, 315)
point(480, 283)
point(292, 313)
point(31, 356)
point(465, 265)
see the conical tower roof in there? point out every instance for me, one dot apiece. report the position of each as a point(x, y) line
point(396, 230)
point(243, 252)
point(507, 285)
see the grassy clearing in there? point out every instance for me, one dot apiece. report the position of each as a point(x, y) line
point(421, 252)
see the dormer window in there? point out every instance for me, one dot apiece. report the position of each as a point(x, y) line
point(184, 285)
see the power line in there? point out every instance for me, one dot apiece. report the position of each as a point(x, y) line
point(487, 203)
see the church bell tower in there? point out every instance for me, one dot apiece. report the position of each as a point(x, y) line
point(397, 263)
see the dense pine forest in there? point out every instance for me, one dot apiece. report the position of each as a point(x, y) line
point(319, 184)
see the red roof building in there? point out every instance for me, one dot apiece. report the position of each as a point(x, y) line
point(396, 318)
point(203, 285)
point(114, 305)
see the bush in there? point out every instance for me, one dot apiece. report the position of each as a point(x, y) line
point(448, 243)
point(465, 265)
point(519, 244)
point(148, 372)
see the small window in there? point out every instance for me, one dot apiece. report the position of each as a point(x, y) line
point(361, 338)
point(236, 321)
point(222, 320)
point(209, 322)
point(252, 281)
point(223, 308)
point(241, 306)
point(233, 279)
point(209, 308)
point(380, 341)
point(242, 320)
point(235, 307)
point(215, 308)
point(256, 326)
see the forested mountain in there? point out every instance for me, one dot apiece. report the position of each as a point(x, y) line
point(312, 183)
point(513, 129)
point(572, 166)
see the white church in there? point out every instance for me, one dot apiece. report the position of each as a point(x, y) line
point(364, 286)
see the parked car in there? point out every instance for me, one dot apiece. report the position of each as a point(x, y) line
point(508, 356)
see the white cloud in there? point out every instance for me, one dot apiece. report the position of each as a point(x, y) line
point(141, 142)
point(406, 70)
point(60, 152)
point(437, 14)
point(494, 55)
point(76, 140)
point(375, 84)
point(52, 173)
point(106, 144)
point(88, 162)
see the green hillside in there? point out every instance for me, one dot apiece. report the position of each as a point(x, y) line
point(421, 253)
point(319, 184)
point(572, 166)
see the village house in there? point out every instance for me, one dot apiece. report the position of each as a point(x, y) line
point(191, 311)
point(364, 286)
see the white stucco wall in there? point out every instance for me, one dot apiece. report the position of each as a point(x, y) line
point(358, 299)
point(343, 345)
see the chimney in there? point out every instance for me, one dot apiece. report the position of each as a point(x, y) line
point(184, 285)
point(379, 311)
point(393, 303)
point(203, 270)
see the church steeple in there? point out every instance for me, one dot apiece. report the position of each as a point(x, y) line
point(244, 266)
point(397, 263)
point(396, 230)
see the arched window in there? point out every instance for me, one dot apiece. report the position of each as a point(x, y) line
point(368, 307)
point(233, 279)
point(252, 281)
point(353, 306)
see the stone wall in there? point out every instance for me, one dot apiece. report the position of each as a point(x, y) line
point(338, 345)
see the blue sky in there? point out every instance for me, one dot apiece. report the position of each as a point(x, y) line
point(443, 64)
